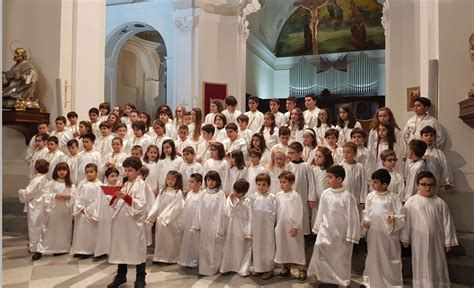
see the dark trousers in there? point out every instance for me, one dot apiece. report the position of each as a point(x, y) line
point(122, 270)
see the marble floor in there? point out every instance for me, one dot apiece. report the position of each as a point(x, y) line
point(65, 271)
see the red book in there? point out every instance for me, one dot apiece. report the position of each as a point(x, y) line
point(110, 190)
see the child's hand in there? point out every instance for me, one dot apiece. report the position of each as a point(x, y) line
point(293, 232)
point(390, 219)
point(233, 196)
point(312, 204)
point(366, 224)
point(121, 194)
point(405, 244)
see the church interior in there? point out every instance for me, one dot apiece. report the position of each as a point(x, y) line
point(364, 53)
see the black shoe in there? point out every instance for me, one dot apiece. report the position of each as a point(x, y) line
point(36, 256)
point(118, 280)
point(59, 254)
point(139, 283)
point(76, 255)
point(302, 276)
point(98, 258)
point(82, 257)
point(284, 273)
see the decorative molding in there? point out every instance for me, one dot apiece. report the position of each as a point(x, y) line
point(385, 19)
point(184, 23)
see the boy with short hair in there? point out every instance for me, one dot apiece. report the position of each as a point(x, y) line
point(71, 159)
point(231, 113)
point(332, 136)
point(73, 126)
point(103, 144)
point(40, 152)
point(279, 117)
point(254, 169)
point(284, 134)
point(355, 176)
point(86, 213)
point(358, 137)
point(54, 155)
point(263, 227)
point(421, 119)
point(203, 150)
point(244, 132)
point(42, 128)
point(312, 112)
point(238, 241)
point(383, 220)
point(160, 130)
point(189, 167)
point(436, 160)
point(128, 241)
point(86, 156)
point(170, 130)
point(32, 197)
point(290, 105)
point(414, 165)
point(62, 133)
point(183, 140)
point(289, 238)
point(430, 231)
point(94, 119)
point(139, 137)
point(337, 232)
point(104, 111)
point(255, 116)
point(233, 141)
point(137, 152)
point(397, 183)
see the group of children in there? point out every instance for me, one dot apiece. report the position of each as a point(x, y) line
point(242, 192)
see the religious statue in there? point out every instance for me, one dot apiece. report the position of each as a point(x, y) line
point(19, 83)
point(313, 7)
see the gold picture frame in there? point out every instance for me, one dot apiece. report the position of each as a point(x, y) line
point(412, 93)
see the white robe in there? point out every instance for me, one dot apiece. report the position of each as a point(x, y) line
point(374, 162)
point(203, 151)
point(57, 225)
point(158, 141)
point(397, 184)
point(209, 119)
point(280, 146)
point(212, 225)
point(304, 181)
point(128, 240)
point(237, 254)
point(220, 135)
point(32, 196)
point(429, 229)
point(36, 155)
point(321, 184)
point(252, 173)
point(54, 158)
point(255, 120)
point(84, 158)
point(181, 144)
point(321, 132)
point(150, 200)
point(296, 134)
point(233, 175)
point(279, 119)
point(289, 215)
point(355, 180)
point(167, 211)
point(189, 251)
point(164, 166)
point(247, 135)
point(412, 169)
point(231, 117)
point(104, 225)
point(237, 144)
point(337, 155)
point(220, 166)
point(374, 137)
point(143, 142)
point(264, 211)
point(383, 265)
point(345, 133)
point(311, 117)
point(274, 172)
point(103, 144)
point(186, 171)
point(438, 165)
point(270, 139)
point(338, 227)
point(72, 163)
point(416, 123)
point(113, 158)
point(63, 137)
point(86, 216)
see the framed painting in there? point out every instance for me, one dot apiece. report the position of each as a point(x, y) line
point(412, 93)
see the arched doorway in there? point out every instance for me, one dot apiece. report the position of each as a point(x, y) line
point(136, 67)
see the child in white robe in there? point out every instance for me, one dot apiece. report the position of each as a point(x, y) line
point(204, 146)
point(283, 139)
point(62, 133)
point(346, 122)
point(237, 254)
point(219, 123)
point(397, 183)
point(217, 162)
point(309, 144)
point(104, 227)
point(324, 124)
point(436, 160)
point(263, 227)
point(254, 169)
point(355, 176)
point(151, 157)
point(71, 159)
point(32, 196)
point(269, 130)
point(58, 203)
point(231, 113)
point(128, 241)
point(215, 108)
point(322, 161)
point(212, 225)
point(331, 143)
point(255, 116)
point(189, 252)
point(289, 237)
point(383, 220)
point(358, 136)
point(414, 165)
point(167, 211)
point(103, 143)
point(277, 165)
point(183, 141)
point(258, 141)
point(86, 203)
point(139, 137)
point(304, 183)
point(236, 171)
point(386, 140)
point(234, 141)
point(189, 167)
point(337, 231)
point(244, 132)
point(150, 200)
point(113, 159)
point(54, 155)
point(430, 231)
point(88, 155)
point(168, 161)
point(39, 152)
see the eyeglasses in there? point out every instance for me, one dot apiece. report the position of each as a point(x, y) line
point(427, 185)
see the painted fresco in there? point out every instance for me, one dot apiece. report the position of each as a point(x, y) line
point(344, 26)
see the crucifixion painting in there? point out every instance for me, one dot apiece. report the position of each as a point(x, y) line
point(313, 7)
